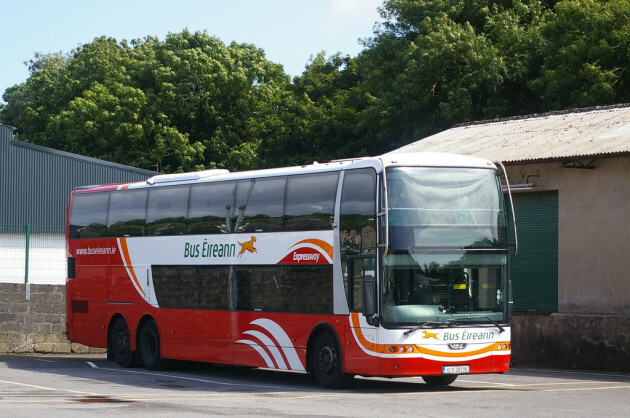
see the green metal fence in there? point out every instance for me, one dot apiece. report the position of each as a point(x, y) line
point(32, 254)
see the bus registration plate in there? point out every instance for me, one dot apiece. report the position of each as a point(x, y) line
point(456, 369)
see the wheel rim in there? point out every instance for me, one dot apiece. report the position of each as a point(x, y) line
point(121, 342)
point(327, 360)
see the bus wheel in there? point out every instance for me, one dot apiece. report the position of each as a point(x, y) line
point(440, 380)
point(326, 363)
point(120, 344)
point(149, 347)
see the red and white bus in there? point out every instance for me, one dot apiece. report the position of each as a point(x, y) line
point(387, 266)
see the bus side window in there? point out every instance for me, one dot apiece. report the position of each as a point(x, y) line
point(290, 289)
point(88, 215)
point(210, 208)
point(311, 202)
point(357, 230)
point(126, 213)
point(260, 204)
point(166, 211)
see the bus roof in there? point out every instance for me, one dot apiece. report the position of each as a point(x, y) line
point(424, 159)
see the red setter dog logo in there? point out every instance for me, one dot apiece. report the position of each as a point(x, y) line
point(247, 246)
point(428, 334)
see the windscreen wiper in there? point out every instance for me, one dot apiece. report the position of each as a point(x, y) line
point(465, 319)
point(424, 325)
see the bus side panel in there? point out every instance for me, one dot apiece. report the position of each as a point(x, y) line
point(199, 335)
point(207, 351)
point(120, 287)
point(77, 313)
point(192, 324)
point(355, 360)
point(98, 325)
point(83, 295)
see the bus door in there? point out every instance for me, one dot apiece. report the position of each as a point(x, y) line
point(360, 270)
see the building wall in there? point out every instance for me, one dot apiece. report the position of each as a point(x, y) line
point(37, 181)
point(593, 231)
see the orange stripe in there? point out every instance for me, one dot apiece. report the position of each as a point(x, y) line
point(368, 345)
point(384, 348)
point(319, 243)
point(125, 251)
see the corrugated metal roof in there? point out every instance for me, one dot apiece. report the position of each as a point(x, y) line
point(36, 181)
point(585, 133)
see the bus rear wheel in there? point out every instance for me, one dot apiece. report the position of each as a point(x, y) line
point(444, 380)
point(326, 363)
point(120, 344)
point(149, 347)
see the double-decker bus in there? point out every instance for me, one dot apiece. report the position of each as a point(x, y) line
point(385, 266)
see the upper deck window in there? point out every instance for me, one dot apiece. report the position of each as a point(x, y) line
point(88, 215)
point(126, 216)
point(166, 211)
point(310, 201)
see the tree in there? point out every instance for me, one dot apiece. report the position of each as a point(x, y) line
point(31, 104)
point(587, 58)
point(318, 115)
point(186, 103)
point(436, 63)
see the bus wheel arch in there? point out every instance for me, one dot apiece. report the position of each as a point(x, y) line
point(324, 358)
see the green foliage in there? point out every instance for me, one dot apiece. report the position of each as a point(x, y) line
point(587, 56)
point(317, 115)
point(186, 103)
point(437, 63)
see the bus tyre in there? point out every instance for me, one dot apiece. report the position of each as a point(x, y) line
point(326, 362)
point(149, 347)
point(444, 380)
point(120, 344)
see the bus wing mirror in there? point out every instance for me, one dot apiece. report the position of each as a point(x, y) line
point(369, 299)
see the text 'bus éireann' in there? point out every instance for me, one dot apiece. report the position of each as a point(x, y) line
point(386, 266)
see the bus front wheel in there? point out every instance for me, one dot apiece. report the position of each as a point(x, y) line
point(326, 362)
point(120, 344)
point(149, 347)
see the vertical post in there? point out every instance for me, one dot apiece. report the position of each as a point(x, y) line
point(28, 240)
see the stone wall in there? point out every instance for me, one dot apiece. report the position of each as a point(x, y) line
point(37, 325)
point(571, 341)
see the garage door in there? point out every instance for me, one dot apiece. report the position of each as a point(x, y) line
point(534, 270)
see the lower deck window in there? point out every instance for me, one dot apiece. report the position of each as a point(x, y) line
point(290, 289)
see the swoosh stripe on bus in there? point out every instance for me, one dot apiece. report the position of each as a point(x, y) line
point(383, 349)
point(326, 247)
point(260, 350)
point(282, 342)
point(122, 244)
point(273, 349)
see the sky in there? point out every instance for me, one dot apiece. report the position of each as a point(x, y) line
point(289, 31)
